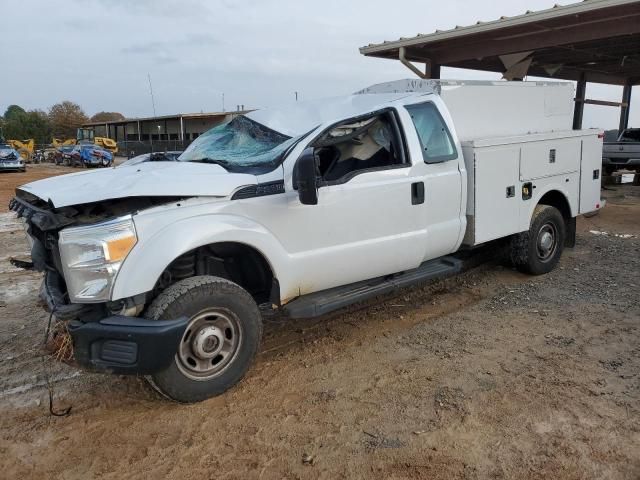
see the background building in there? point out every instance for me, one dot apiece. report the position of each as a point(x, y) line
point(166, 132)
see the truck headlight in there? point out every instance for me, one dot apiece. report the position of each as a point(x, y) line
point(91, 257)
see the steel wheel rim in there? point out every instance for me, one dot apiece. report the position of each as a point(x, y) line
point(547, 242)
point(209, 344)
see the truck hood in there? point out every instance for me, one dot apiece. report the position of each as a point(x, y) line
point(153, 179)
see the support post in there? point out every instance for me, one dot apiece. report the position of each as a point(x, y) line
point(166, 132)
point(403, 59)
point(431, 70)
point(578, 108)
point(624, 109)
point(139, 133)
point(435, 71)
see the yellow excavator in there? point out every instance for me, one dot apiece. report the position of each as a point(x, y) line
point(87, 135)
point(24, 148)
point(57, 142)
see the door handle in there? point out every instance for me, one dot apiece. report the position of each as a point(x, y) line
point(417, 193)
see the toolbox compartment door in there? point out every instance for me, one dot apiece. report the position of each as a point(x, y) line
point(547, 158)
point(590, 173)
point(496, 192)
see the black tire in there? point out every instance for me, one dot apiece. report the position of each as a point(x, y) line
point(206, 300)
point(530, 251)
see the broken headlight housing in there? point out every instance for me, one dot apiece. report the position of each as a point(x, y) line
point(92, 255)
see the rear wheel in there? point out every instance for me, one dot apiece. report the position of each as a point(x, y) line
point(219, 343)
point(539, 250)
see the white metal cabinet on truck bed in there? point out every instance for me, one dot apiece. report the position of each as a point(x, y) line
point(526, 167)
point(163, 268)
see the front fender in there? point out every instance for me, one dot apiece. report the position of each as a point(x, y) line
point(158, 246)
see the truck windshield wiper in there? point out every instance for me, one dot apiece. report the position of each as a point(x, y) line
point(216, 161)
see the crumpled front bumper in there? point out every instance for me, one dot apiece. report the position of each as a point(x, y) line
point(126, 345)
point(114, 343)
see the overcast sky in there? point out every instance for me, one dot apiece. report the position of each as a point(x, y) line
point(258, 52)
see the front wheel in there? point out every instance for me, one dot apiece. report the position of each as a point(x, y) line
point(538, 251)
point(219, 343)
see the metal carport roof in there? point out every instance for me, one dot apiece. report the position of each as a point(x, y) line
point(591, 41)
point(598, 38)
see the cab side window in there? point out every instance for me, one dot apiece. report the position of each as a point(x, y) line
point(359, 145)
point(435, 139)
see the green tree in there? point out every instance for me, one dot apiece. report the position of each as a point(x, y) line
point(20, 125)
point(65, 118)
point(107, 117)
point(37, 126)
point(13, 111)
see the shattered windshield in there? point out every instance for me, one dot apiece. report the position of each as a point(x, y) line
point(241, 145)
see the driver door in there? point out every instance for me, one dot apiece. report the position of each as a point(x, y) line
point(370, 217)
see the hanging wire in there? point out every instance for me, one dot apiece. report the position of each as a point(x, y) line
point(47, 374)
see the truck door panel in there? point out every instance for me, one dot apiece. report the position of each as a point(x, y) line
point(361, 229)
point(436, 160)
point(366, 223)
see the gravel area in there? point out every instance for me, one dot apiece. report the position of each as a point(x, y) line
point(491, 374)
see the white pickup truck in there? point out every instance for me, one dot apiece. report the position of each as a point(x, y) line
point(162, 269)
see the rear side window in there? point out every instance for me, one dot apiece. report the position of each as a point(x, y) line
point(435, 139)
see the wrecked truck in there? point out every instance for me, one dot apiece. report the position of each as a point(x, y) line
point(166, 269)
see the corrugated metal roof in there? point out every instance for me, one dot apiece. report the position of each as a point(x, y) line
point(503, 22)
point(595, 39)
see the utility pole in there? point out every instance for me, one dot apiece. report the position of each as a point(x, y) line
point(223, 101)
point(296, 93)
point(153, 102)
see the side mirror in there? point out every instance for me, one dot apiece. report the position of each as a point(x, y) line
point(305, 178)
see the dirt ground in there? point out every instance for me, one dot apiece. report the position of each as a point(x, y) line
point(492, 374)
point(10, 180)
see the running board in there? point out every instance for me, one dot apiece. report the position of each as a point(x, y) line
point(326, 301)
